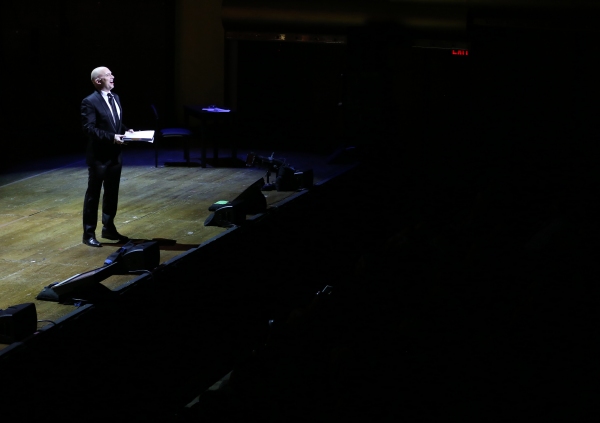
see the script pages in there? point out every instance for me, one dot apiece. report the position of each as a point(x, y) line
point(145, 136)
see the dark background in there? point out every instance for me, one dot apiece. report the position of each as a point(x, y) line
point(48, 52)
point(478, 197)
point(526, 90)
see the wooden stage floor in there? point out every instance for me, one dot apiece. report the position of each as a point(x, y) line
point(41, 203)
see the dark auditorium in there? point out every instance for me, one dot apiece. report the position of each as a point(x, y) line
point(292, 211)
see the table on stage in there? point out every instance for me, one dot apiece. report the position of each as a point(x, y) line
point(212, 116)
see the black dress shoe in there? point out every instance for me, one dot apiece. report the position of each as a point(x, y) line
point(91, 241)
point(113, 235)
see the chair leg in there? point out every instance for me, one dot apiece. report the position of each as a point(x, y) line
point(186, 150)
point(155, 154)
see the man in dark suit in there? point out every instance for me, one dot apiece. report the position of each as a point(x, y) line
point(101, 120)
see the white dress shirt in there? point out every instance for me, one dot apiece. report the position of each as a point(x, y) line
point(105, 97)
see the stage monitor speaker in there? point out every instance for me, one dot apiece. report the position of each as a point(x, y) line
point(17, 323)
point(225, 217)
point(144, 256)
point(228, 213)
point(285, 180)
point(289, 179)
point(251, 200)
point(132, 257)
point(67, 289)
point(305, 179)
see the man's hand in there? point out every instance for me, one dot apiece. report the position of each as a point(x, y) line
point(119, 139)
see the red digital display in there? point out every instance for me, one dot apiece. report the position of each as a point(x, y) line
point(460, 52)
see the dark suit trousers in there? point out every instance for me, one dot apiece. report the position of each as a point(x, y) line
point(101, 174)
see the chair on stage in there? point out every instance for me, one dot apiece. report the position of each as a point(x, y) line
point(162, 135)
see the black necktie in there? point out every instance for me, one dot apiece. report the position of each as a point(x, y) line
point(111, 102)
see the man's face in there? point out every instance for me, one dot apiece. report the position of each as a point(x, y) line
point(106, 80)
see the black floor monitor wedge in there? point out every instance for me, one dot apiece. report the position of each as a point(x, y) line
point(131, 258)
point(143, 257)
point(17, 323)
point(228, 213)
point(251, 200)
point(67, 289)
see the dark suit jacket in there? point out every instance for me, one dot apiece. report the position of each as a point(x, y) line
point(97, 124)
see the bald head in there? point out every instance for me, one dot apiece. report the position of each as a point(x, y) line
point(98, 72)
point(103, 79)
